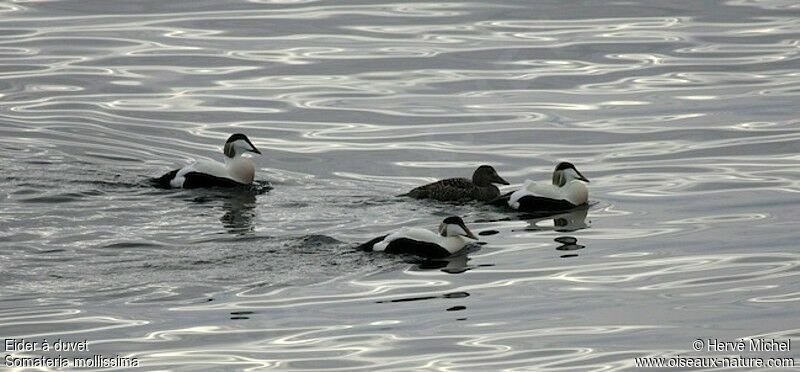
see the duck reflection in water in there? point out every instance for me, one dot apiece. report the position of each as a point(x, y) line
point(568, 243)
point(572, 220)
point(455, 264)
point(240, 213)
point(239, 208)
point(238, 204)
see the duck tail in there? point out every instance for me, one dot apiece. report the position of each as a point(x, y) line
point(501, 200)
point(163, 181)
point(418, 193)
point(367, 247)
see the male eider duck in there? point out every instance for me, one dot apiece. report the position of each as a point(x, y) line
point(481, 187)
point(236, 171)
point(452, 237)
point(567, 191)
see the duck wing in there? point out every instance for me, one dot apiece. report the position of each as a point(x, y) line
point(445, 190)
point(408, 240)
point(417, 248)
point(201, 174)
point(501, 200)
point(533, 203)
point(195, 180)
point(539, 197)
point(209, 167)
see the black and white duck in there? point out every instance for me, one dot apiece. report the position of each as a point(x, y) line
point(235, 171)
point(567, 190)
point(452, 236)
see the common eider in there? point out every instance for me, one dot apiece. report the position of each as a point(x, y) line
point(567, 190)
point(453, 236)
point(481, 187)
point(236, 171)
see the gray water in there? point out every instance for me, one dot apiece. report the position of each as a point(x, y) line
point(684, 115)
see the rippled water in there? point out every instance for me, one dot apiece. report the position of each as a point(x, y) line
point(683, 114)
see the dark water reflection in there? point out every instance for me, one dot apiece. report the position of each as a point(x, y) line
point(455, 264)
point(239, 205)
point(683, 113)
point(568, 243)
point(569, 221)
point(240, 211)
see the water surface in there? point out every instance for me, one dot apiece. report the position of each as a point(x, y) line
point(682, 114)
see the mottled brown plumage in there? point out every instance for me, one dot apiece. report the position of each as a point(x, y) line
point(481, 187)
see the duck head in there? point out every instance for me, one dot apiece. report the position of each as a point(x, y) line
point(237, 144)
point(566, 172)
point(454, 226)
point(485, 175)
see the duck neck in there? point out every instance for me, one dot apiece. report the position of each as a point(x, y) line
point(230, 160)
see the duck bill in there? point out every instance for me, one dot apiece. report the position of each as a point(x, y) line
point(252, 146)
point(468, 234)
point(581, 177)
point(499, 180)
